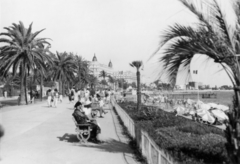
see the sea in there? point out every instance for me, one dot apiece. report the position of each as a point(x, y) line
point(224, 97)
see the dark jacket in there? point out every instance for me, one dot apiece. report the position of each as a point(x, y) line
point(80, 117)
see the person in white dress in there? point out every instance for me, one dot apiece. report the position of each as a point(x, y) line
point(49, 97)
point(87, 92)
point(87, 106)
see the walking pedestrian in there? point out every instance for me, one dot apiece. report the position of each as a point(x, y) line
point(5, 94)
point(72, 95)
point(60, 97)
point(49, 97)
point(55, 97)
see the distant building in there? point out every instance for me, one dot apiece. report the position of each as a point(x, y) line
point(97, 67)
point(128, 76)
point(193, 85)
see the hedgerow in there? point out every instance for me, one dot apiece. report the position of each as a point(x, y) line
point(187, 141)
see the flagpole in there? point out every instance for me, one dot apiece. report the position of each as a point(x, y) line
point(197, 79)
point(197, 83)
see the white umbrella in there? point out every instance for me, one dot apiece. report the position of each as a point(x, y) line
point(180, 110)
point(208, 117)
point(219, 114)
point(205, 106)
point(213, 105)
point(223, 108)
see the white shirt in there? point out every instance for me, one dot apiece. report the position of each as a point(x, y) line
point(101, 103)
point(87, 110)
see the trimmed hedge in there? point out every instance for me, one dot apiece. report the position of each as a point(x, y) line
point(187, 141)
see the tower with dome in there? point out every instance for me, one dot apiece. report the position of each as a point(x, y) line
point(96, 67)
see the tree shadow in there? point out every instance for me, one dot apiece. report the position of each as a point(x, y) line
point(110, 145)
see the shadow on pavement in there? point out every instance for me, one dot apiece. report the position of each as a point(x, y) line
point(110, 145)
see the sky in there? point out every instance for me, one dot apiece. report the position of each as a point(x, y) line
point(118, 30)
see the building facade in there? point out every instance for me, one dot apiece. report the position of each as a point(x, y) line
point(128, 76)
point(97, 67)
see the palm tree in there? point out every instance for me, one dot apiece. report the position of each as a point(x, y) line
point(137, 65)
point(42, 73)
point(82, 69)
point(11, 82)
point(103, 82)
point(63, 69)
point(92, 81)
point(111, 80)
point(21, 53)
point(216, 38)
point(103, 74)
point(120, 82)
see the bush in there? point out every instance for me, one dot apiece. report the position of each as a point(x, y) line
point(208, 148)
point(187, 141)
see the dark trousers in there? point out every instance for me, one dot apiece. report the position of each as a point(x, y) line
point(95, 129)
point(101, 111)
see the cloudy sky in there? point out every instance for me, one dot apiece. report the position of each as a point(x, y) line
point(116, 30)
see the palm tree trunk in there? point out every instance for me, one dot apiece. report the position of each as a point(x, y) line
point(25, 87)
point(63, 90)
point(79, 78)
point(41, 87)
point(22, 88)
point(138, 90)
point(60, 86)
point(233, 129)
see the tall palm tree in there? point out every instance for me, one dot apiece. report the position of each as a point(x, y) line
point(92, 81)
point(21, 53)
point(137, 65)
point(103, 74)
point(63, 69)
point(82, 69)
point(217, 38)
point(42, 73)
point(111, 80)
point(120, 82)
point(11, 82)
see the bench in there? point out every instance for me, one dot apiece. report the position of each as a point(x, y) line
point(83, 131)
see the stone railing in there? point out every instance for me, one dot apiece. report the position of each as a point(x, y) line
point(149, 148)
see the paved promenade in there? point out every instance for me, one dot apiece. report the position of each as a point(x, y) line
point(36, 134)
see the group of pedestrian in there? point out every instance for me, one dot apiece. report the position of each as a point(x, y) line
point(53, 97)
point(89, 104)
point(74, 94)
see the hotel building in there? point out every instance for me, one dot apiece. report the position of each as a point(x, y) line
point(97, 67)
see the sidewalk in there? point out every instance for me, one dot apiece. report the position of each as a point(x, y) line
point(36, 134)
